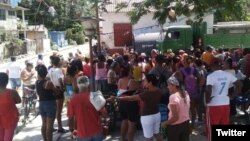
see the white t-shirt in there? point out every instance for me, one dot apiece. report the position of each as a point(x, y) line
point(220, 82)
point(55, 74)
point(233, 73)
point(14, 69)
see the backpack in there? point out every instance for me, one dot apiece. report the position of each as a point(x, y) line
point(190, 82)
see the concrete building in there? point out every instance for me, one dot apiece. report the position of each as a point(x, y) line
point(38, 35)
point(117, 31)
point(9, 21)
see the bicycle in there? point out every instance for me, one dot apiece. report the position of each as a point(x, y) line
point(29, 100)
point(243, 103)
point(109, 121)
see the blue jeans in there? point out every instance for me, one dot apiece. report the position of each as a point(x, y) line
point(97, 137)
point(15, 83)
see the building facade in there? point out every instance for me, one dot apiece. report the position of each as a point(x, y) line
point(117, 31)
point(9, 20)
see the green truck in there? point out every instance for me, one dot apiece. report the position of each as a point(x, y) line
point(225, 35)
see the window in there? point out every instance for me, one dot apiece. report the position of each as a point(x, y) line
point(173, 35)
point(11, 13)
point(2, 14)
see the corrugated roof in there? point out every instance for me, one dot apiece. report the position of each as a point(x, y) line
point(112, 7)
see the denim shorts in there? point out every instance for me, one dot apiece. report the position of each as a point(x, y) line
point(15, 83)
point(47, 108)
point(97, 137)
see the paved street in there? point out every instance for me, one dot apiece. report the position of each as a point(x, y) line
point(32, 132)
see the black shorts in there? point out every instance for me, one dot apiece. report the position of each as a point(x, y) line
point(179, 131)
point(129, 111)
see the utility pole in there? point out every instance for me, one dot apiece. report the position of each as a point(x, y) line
point(98, 27)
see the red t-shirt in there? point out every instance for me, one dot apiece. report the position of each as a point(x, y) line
point(88, 120)
point(87, 70)
point(8, 111)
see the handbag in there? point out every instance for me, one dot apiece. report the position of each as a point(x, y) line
point(97, 100)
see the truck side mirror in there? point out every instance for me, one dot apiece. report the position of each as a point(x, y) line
point(169, 35)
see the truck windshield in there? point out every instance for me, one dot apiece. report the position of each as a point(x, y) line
point(173, 35)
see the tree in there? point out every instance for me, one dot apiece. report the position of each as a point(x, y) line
point(225, 10)
point(66, 12)
point(236, 10)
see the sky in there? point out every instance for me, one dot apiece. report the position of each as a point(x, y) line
point(14, 3)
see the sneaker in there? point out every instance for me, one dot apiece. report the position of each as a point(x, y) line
point(62, 131)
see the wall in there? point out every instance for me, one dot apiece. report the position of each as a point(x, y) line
point(38, 46)
point(46, 45)
point(111, 18)
point(1, 52)
point(35, 35)
point(58, 37)
point(31, 46)
point(139, 28)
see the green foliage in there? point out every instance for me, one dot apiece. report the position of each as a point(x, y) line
point(15, 47)
point(234, 10)
point(72, 42)
point(15, 42)
point(79, 38)
point(225, 10)
point(120, 6)
point(53, 46)
point(77, 28)
point(68, 34)
point(75, 34)
point(20, 25)
point(66, 12)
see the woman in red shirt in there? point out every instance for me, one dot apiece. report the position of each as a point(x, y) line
point(8, 111)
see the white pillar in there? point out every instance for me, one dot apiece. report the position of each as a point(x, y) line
point(23, 18)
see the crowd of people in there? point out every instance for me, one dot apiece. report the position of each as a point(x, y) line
point(171, 91)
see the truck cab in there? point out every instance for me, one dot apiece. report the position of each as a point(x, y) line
point(176, 38)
